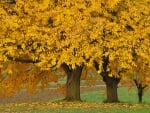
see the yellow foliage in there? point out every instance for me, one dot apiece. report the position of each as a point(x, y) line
point(77, 32)
point(15, 76)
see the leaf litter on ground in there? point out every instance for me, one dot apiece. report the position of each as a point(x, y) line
point(63, 104)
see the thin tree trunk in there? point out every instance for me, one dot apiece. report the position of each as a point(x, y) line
point(140, 94)
point(140, 88)
point(73, 84)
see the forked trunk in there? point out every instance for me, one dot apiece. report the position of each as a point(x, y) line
point(140, 88)
point(73, 84)
point(111, 82)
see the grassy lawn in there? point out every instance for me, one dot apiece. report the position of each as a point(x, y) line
point(124, 95)
point(92, 103)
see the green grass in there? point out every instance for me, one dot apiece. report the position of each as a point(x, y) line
point(131, 96)
point(93, 97)
point(123, 94)
point(97, 97)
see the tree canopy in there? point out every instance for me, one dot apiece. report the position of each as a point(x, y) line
point(50, 33)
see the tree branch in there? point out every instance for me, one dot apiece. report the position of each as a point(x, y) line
point(144, 86)
point(22, 60)
point(27, 60)
point(66, 68)
point(136, 83)
point(96, 65)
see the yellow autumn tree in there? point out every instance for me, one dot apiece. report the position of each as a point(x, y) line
point(141, 70)
point(52, 34)
point(75, 33)
point(125, 39)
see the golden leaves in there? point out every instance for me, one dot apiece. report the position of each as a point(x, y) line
point(112, 3)
point(15, 76)
point(76, 32)
point(78, 105)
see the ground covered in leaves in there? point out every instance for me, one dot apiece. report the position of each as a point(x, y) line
point(74, 107)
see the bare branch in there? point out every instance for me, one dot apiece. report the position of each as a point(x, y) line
point(22, 60)
point(136, 83)
point(144, 86)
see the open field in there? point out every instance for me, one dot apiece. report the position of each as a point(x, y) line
point(124, 95)
point(92, 103)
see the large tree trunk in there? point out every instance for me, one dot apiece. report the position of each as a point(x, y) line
point(73, 83)
point(111, 88)
point(111, 82)
point(73, 86)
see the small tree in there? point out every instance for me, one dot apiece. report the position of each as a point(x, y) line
point(140, 87)
point(141, 76)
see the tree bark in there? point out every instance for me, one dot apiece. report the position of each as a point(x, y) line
point(73, 83)
point(140, 88)
point(111, 88)
point(111, 82)
point(140, 94)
